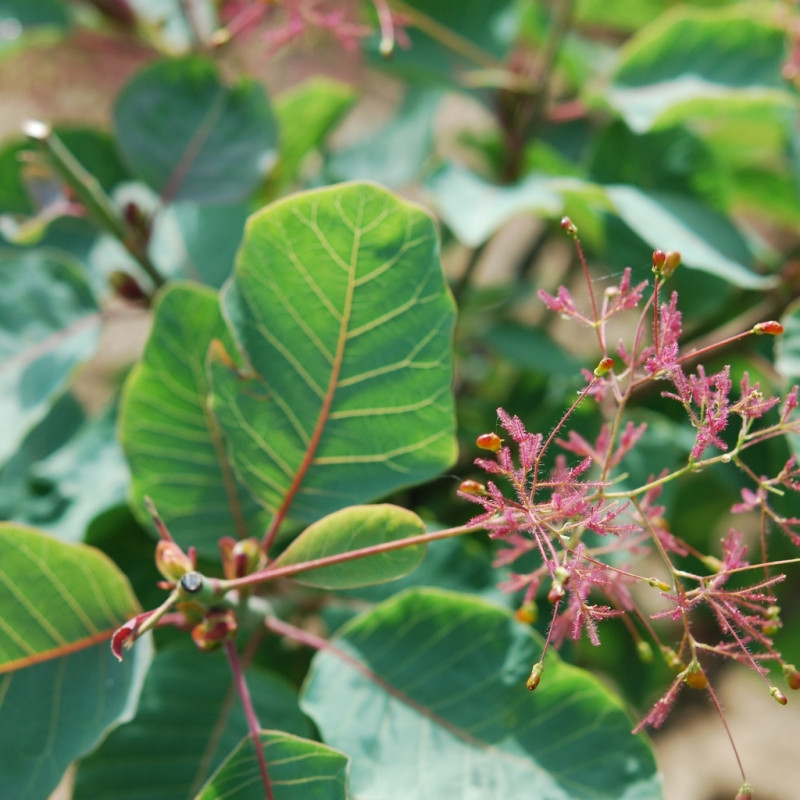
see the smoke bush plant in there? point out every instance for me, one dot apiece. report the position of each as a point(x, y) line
point(589, 534)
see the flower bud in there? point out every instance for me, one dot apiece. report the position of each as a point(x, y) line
point(556, 592)
point(694, 677)
point(778, 695)
point(472, 487)
point(219, 625)
point(659, 257)
point(671, 262)
point(171, 561)
point(535, 676)
point(744, 793)
point(644, 651)
point(489, 441)
point(792, 676)
point(527, 613)
point(773, 327)
point(569, 227)
point(659, 584)
point(672, 658)
point(604, 365)
point(126, 286)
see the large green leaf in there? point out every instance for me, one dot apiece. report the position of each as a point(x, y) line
point(191, 137)
point(706, 240)
point(49, 323)
point(58, 711)
point(350, 529)
point(62, 688)
point(188, 721)
point(690, 54)
point(298, 770)
point(173, 445)
point(339, 305)
point(426, 693)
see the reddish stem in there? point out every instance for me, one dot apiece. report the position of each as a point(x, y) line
point(250, 713)
point(595, 315)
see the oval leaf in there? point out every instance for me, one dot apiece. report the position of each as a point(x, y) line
point(191, 137)
point(427, 692)
point(57, 598)
point(172, 443)
point(350, 529)
point(184, 727)
point(339, 304)
point(49, 324)
point(298, 770)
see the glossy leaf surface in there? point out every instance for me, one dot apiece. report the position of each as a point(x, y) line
point(49, 322)
point(188, 721)
point(426, 693)
point(191, 137)
point(299, 769)
point(339, 305)
point(174, 448)
point(351, 529)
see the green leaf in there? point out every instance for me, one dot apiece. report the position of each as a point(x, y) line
point(394, 154)
point(26, 23)
point(185, 726)
point(706, 240)
point(339, 304)
point(351, 529)
point(298, 770)
point(69, 487)
point(306, 114)
point(478, 34)
point(531, 349)
point(58, 711)
point(197, 242)
point(57, 598)
point(426, 693)
point(697, 54)
point(787, 346)
point(49, 323)
point(172, 443)
point(191, 137)
point(474, 209)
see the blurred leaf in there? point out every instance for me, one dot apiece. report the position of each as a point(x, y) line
point(339, 306)
point(475, 209)
point(706, 240)
point(24, 23)
point(68, 487)
point(531, 349)
point(478, 33)
point(197, 242)
point(620, 15)
point(787, 346)
point(298, 770)
point(13, 196)
point(306, 115)
point(49, 323)
point(394, 154)
point(172, 443)
point(351, 529)
point(190, 137)
point(189, 719)
point(430, 681)
point(58, 711)
point(692, 54)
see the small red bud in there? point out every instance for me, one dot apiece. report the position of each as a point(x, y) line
point(659, 257)
point(744, 793)
point(569, 227)
point(472, 487)
point(489, 441)
point(773, 327)
point(671, 262)
point(218, 626)
point(556, 592)
point(778, 695)
point(792, 675)
point(535, 676)
point(603, 366)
